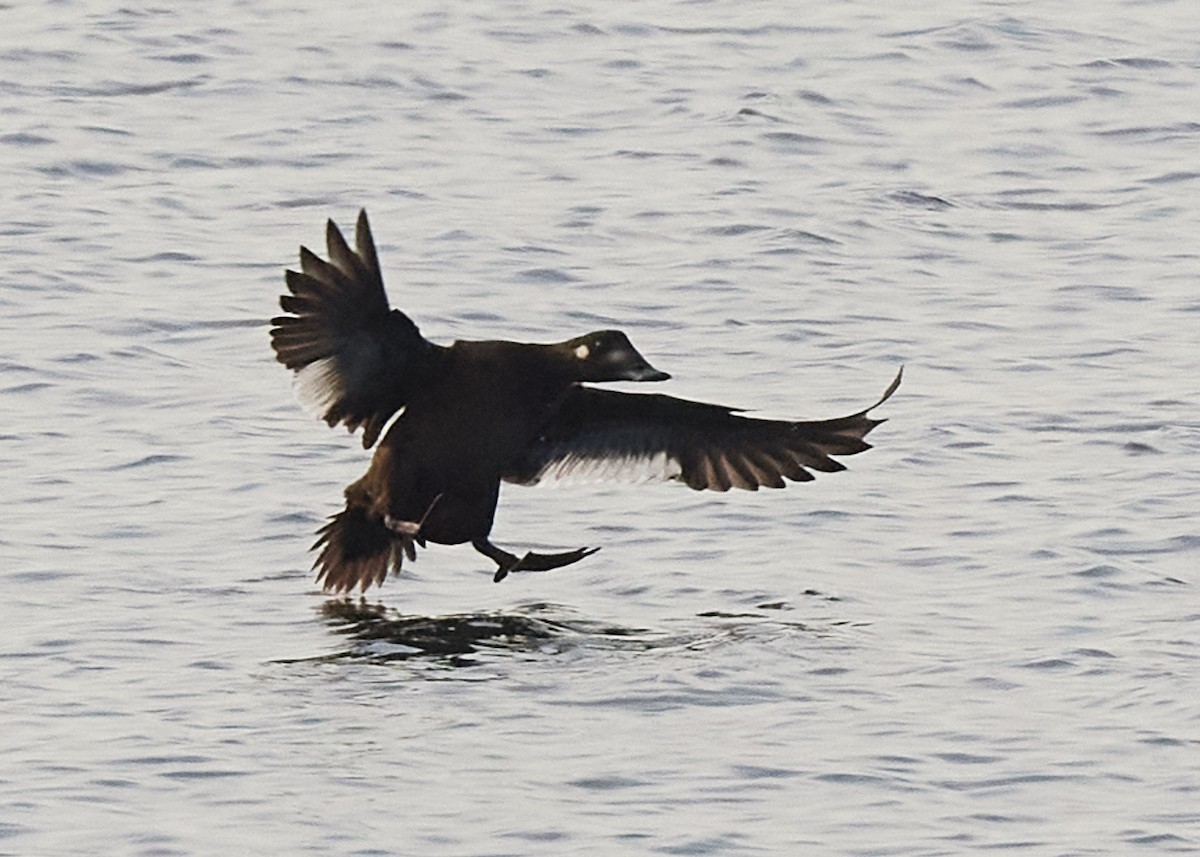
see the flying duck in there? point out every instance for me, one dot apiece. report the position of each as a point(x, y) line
point(458, 420)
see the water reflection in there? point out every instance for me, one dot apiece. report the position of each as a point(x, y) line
point(380, 634)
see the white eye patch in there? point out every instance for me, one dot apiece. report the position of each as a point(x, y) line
point(582, 352)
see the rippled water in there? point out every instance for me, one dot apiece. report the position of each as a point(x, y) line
point(982, 636)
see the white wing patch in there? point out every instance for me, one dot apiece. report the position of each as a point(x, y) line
point(631, 468)
point(323, 383)
point(319, 385)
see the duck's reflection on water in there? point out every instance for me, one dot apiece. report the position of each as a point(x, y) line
point(382, 634)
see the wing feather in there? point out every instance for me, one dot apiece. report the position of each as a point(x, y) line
point(605, 433)
point(356, 360)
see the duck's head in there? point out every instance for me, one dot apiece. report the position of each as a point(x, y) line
point(608, 355)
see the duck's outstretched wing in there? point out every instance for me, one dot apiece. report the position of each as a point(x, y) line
point(355, 359)
point(605, 434)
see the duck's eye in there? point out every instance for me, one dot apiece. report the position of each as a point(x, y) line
point(582, 352)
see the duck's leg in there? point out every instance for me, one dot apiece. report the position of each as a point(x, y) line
point(411, 533)
point(508, 562)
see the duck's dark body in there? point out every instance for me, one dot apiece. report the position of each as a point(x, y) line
point(477, 413)
point(457, 435)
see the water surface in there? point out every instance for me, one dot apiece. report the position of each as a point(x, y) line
point(982, 636)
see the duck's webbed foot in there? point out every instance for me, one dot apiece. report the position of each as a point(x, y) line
point(508, 562)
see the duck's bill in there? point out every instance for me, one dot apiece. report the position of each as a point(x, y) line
point(645, 372)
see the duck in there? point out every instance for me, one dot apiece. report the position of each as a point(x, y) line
point(451, 423)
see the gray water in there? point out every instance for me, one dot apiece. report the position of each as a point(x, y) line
point(981, 637)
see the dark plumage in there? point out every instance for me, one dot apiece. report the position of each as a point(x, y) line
point(477, 413)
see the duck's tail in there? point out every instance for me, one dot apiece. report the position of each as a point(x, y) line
point(357, 550)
